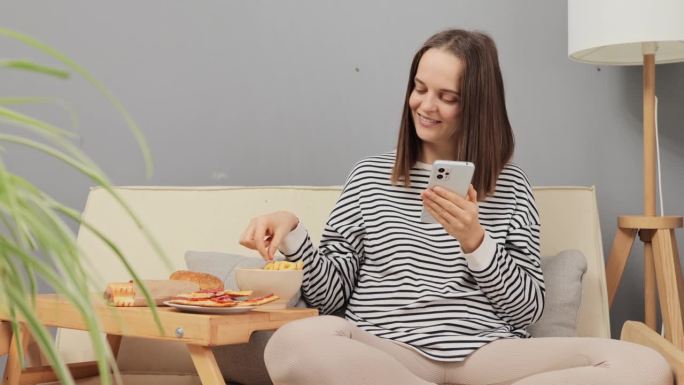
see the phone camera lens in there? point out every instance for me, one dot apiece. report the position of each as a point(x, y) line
point(440, 176)
point(441, 170)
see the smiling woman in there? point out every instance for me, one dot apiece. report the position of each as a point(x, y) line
point(435, 303)
point(455, 108)
point(434, 104)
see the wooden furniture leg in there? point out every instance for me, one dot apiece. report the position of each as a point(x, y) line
point(668, 277)
point(619, 252)
point(206, 365)
point(43, 374)
point(5, 337)
point(35, 356)
point(114, 343)
point(650, 294)
point(40, 372)
point(13, 367)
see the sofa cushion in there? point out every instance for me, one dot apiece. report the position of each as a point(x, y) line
point(563, 280)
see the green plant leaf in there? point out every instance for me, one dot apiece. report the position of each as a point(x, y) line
point(38, 125)
point(41, 335)
point(27, 65)
point(49, 204)
point(97, 177)
point(35, 224)
point(8, 101)
point(78, 298)
point(133, 126)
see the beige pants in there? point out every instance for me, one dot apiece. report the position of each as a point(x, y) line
point(330, 350)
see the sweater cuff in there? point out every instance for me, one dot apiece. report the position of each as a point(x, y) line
point(293, 241)
point(482, 257)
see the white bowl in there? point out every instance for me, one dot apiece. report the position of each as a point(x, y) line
point(283, 283)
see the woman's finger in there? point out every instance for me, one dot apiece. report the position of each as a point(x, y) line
point(442, 216)
point(445, 203)
point(450, 196)
point(247, 237)
point(472, 194)
point(275, 242)
point(260, 234)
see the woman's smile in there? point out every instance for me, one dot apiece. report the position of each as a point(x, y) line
point(427, 122)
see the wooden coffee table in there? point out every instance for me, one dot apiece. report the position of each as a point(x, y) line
point(198, 331)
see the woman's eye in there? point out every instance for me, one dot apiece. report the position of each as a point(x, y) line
point(419, 90)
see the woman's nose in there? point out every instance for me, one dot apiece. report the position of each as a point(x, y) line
point(428, 103)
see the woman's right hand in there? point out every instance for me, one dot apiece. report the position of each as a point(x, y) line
point(265, 232)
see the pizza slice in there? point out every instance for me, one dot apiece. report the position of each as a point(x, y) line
point(204, 302)
point(257, 301)
point(237, 293)
point(197, 295)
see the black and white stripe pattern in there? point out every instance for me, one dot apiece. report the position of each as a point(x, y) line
point(409, 281)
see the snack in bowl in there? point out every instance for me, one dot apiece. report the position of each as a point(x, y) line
point(284, 265)
point(204, 280)
point(284, 283)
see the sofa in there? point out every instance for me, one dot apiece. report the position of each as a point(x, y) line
point(212, 218)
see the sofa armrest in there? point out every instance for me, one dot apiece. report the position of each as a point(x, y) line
point(639, 333)
point(5, 337)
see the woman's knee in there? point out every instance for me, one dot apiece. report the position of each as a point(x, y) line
point(291, 345)
point(634, 363)
point(299, 331)
point(649, 363)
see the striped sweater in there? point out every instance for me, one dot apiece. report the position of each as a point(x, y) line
point(409, 281)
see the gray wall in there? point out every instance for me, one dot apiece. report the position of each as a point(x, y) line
point(294, 92)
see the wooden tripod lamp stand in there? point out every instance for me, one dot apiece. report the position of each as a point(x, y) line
point(637, 32)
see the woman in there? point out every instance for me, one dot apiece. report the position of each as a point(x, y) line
point(445, 303)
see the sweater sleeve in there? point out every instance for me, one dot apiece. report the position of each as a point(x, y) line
point(509, 273)
point(330, 271)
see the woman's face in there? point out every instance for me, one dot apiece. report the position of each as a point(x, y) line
point(435, 101)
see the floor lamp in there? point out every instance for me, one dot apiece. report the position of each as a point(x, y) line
point(639, 32)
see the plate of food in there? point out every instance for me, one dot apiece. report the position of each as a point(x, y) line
point(209, 309)
point(218, 301)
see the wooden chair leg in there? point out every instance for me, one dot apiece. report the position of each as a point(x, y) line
point(668, 277)
point(619, 252)
point(206, 365)
point(650, 294)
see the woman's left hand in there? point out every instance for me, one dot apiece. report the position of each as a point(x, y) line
point(458, 215)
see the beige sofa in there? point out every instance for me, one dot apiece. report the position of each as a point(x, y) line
point(212, 219)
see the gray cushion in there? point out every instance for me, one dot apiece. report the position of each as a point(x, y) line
point(563, 280)
point(221, 265)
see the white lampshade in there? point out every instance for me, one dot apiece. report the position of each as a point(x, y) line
point(612, 31)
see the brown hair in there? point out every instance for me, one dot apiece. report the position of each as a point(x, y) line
point(486, 137)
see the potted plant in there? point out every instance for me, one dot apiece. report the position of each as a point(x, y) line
point(36, 242)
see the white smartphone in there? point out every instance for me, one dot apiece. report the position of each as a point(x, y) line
point(454, 176)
